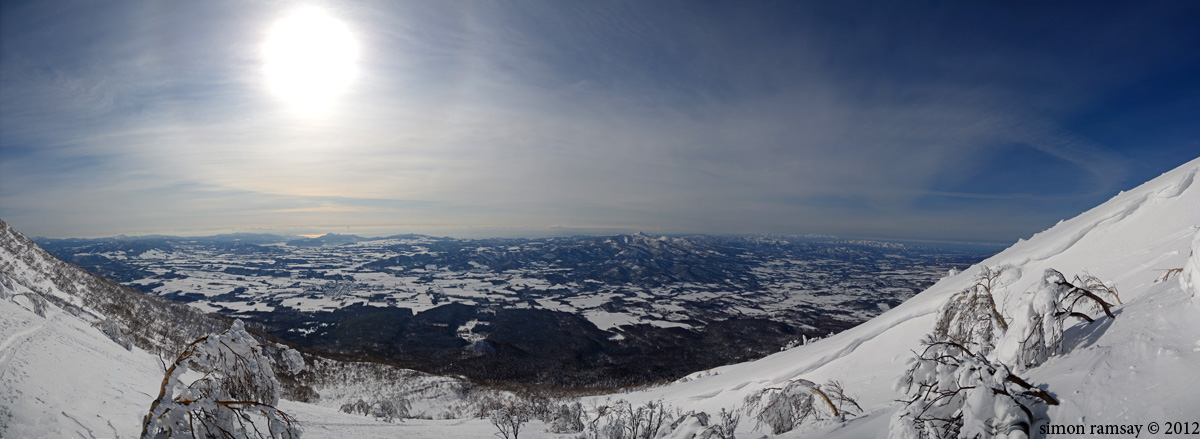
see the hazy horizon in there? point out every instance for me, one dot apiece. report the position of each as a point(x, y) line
point(510, 232)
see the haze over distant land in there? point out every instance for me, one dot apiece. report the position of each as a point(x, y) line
point(923, 120)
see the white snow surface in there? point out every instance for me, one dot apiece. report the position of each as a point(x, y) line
point(60, 377)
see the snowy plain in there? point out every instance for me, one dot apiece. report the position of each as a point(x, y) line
point(776, 278)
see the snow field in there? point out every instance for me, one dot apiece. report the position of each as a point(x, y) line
point(60, 377)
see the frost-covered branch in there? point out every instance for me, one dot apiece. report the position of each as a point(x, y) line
point(1037, 331)
point(971, 316)
point(1091, 283)
point(953, 392)
point(784, 408)
point(510, 418)
point(235, 395)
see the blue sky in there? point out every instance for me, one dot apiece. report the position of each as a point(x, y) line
point(957, 121)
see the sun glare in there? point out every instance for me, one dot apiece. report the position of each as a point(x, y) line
point(309, 59)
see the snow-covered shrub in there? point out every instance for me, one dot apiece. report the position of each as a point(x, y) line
point(36, 302)
point(688, 426)
point(1037, 330)
point(541, 405)
point(113, 331)
point(482, 404)
point(647, 420)
point(700, 425)
point(802, 341)
point(1105, 291)
point(608, 422)
point(390, 409)
point(290, 367)
point(724, 425)
point(510, 418)
point(960, 387)
point(233, 396)
point(386, 409)
point(784, 408)
point(568, 418)
point(10, 290)
point(7, 286)
point(970, 317)
point(1189, 276)
point(951, 392)
point(360, 407)
point(621, 420)
point(286, 360)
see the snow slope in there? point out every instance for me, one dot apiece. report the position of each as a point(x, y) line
point(1137, 368)
point(61, 377)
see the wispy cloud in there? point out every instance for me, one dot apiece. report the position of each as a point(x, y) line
point(684, 117)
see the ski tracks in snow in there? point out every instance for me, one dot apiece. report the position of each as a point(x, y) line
point(13, 342)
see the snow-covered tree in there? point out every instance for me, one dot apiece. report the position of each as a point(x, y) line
point(645, 421)
point(286, 360)
point(971, 317)
point(115, 333)
point(10, 289)
point(782, 409)
point(962, 386)
point(610, 422)
point(1103, 290)
point(622, 420)
point(510, 418)
point(387, 409)
point(1037, 330)
point(220, 386)
point(699, 425)
point(568, 418)
point(951, 392)
point(1189, 276)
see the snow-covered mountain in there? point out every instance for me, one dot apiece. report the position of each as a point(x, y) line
point(125, 313)
point(1137, 368)
point(61, 375)
point(75, 349)
point(82, 356)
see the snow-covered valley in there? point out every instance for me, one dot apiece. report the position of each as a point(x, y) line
point(612, 311)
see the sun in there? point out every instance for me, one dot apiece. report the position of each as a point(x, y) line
point(309, 59)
